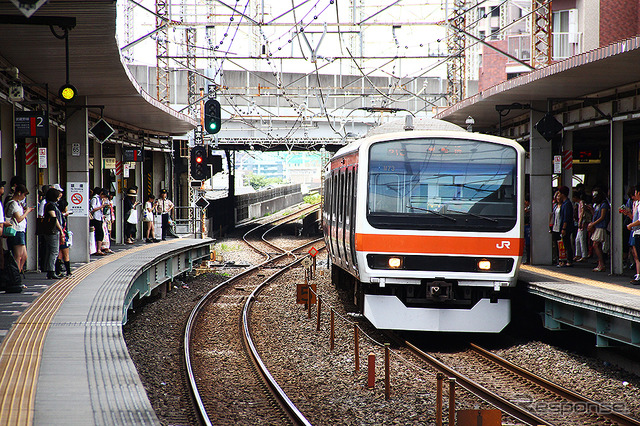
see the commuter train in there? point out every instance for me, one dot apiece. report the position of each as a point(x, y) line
point(426, 227)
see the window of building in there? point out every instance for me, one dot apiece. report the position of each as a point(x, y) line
point(482, 12)
point(184, 148)
point(495, 33)
point(566, 38)
point(495, 11)
point(482, 34)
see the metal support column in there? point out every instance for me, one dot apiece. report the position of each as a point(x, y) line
point(162, 52)
point(119, 196)
point(540, 184)
point(616, 189)
point(456, 73)
point(541, 37)
point(567, 172)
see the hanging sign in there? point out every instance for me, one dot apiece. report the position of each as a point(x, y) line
point(132, 155)
point(42, 158)
point(557, 164)
point(78, 198)
point(31, 124)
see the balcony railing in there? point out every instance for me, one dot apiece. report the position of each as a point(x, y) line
point(564, 45)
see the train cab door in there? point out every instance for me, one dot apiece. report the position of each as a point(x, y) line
point(352, 227)
point(348, 207)
point(340, 206)
point(334, 213)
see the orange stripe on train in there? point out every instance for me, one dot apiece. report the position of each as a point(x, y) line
point(477, 246)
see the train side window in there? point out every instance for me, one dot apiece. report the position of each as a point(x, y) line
point(341, 198)
point(334, 205)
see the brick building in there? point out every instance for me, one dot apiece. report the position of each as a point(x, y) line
point(577, 26)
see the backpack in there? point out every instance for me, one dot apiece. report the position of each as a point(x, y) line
point(10, 278)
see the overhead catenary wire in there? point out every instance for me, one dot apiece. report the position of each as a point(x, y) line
point(389, 94)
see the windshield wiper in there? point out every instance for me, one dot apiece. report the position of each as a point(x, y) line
point(434, 212)
point(476, 215)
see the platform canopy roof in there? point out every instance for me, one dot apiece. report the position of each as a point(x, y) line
point(95, 66)
point(588, 75)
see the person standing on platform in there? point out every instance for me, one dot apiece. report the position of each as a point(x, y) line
point(63, 254)
point(54, 238)
point(148, 218)
point(3, 222)
point(165, 206)
point(131, 216)
point(554, 226)
point(96, 206)
point(527, 229)
point(599, 225)
point(634, 228)
point(584, 217)
point(18, 217)
point(566, 224)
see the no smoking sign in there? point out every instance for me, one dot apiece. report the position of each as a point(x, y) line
point(76, 198)
point(78, 195)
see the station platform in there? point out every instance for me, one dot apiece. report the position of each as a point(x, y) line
point(63, 359)
point(605, 305)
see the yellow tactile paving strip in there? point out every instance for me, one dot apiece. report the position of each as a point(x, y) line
point(21, 350)
point(579, 280)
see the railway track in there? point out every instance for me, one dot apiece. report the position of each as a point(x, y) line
point(518, 393)
point(226, 353)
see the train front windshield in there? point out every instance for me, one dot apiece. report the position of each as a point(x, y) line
point(442, 184)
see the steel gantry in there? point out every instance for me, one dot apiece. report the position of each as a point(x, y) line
point(162, 52)
point(541, 36)
point(456, 39)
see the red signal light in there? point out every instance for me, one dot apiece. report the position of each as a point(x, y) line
point(198, 160)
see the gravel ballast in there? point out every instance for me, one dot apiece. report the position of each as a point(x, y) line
point(324, 383)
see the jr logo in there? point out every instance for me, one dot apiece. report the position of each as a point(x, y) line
point(503, 245)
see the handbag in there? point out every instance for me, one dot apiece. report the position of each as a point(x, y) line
point(45, 225)
point(133, 217)
point(147, 216)
point(8, 231)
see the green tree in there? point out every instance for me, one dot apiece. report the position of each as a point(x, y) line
point(258, 181)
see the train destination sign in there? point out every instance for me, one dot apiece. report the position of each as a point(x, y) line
point(31, 124)
point(132, 155)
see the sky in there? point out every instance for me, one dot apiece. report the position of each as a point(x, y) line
point(388, 28)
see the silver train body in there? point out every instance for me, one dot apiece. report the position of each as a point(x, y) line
point(426, 228)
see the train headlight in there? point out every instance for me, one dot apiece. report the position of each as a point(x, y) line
point(484, 265)
point(395, 262)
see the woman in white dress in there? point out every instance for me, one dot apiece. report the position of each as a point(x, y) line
point(147, 217)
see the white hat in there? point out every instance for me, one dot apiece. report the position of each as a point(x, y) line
point(57, 186)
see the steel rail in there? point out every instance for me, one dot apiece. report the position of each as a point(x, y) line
point(294, 216)
point(497, 401)
point(191, 381)
point(284, 401)
point(563, 392)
